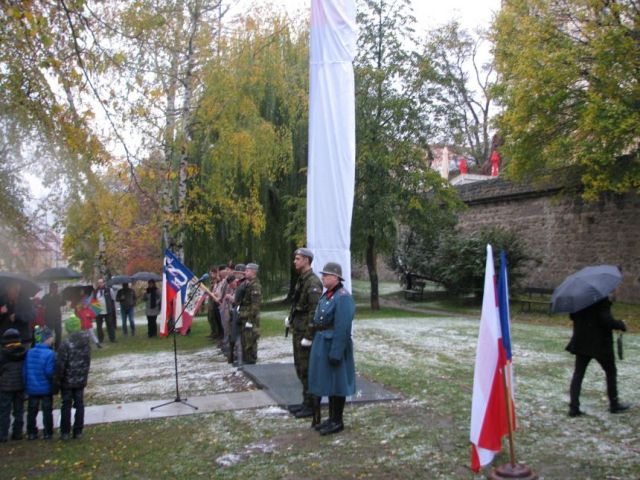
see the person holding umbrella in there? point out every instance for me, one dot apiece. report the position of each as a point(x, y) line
point(585, 296)
point(16, 311)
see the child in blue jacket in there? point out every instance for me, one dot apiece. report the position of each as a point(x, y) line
point(39, 366)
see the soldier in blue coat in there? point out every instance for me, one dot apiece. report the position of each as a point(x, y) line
point(332, 370)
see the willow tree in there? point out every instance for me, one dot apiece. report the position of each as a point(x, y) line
point(249, 142)
point(569, 88)
point(46, 62)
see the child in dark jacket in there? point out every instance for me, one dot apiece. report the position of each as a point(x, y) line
point(39, 366)
point(11, 384)
point(72, 372)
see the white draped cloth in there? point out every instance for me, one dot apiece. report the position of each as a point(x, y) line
point(332, 138)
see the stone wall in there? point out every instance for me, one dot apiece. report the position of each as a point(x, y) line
point(562, 231)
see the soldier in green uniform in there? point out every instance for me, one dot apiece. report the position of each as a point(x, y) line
point(249, 314)
point(305, 299)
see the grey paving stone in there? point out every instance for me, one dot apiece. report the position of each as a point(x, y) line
point(281, 382)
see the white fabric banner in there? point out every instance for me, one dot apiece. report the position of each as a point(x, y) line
point(332, 133)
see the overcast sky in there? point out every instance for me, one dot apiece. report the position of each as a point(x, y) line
point(429, 14)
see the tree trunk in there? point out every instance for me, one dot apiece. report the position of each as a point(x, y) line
point(373, 272)
point(186, 120)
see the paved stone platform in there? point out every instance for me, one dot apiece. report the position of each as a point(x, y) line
point(280, 381)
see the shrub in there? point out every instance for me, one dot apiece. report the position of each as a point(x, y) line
point(457, 260)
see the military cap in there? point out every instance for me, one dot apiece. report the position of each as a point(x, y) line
point(241, 267)
point(305, 252)
point(253, 266)
point(332, 268)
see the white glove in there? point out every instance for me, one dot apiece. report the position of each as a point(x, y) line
point(305, 343)
point(287, 322)
point(248, 325)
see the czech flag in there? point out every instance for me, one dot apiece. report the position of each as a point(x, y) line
point(182, 296)
point(492, 375)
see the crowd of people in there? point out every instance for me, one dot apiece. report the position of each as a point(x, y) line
point(36, 363)
point(40, 373)
point(233, 311)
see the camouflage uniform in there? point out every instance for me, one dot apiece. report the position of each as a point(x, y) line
point(250, 312)
point(305, 299)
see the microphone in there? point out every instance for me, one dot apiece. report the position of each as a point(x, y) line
point(203, 278)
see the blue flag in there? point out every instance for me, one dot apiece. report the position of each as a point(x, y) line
point(503, 305)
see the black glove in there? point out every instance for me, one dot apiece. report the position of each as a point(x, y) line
point(622, 326)
point(334, 362)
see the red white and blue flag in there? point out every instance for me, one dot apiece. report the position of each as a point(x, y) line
point(182, 296)
point(492, 374)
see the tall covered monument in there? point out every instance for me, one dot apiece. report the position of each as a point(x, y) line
point(332, 137)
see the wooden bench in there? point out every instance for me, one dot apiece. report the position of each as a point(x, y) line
point(535, 297)
point(416, 292)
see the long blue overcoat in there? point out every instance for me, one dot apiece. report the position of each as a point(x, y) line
point(335, 308)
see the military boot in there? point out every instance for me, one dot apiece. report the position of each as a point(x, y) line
point(307, 409)
point(317, 412)
point(335, 425)
point(331, 414)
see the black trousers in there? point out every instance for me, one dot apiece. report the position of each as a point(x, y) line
point(152, 326)
point(33, 405)
point(608, 364)
point(71, 396)
point(110, 321)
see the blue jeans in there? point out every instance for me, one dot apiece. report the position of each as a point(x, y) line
point(47, 414)
point(127, 313)
point(69, 396)
point(11, 401)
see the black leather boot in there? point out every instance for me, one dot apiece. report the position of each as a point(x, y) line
point(319, 425)
point(335, 425)
point(317, 412)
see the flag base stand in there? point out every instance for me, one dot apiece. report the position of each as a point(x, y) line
point(513, 471)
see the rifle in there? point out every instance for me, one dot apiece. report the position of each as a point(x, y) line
point(292, 311)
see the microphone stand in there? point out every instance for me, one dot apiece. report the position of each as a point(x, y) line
point(175, 360)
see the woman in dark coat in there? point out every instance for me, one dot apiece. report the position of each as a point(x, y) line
point(593, 338)
point(331, 366)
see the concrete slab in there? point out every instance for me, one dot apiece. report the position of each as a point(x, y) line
point(125, 412)
point(280, 381)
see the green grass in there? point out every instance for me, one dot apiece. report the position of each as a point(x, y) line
point(428, 359)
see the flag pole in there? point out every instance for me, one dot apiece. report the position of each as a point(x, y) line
point(506, 375)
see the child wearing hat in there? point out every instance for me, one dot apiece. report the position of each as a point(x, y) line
point(72, 371)
point(11, 385)
point(38, 369)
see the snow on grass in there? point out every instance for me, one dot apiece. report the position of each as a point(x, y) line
point(132, 377)
point(433, 359)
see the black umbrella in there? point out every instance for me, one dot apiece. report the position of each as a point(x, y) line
point(58, 273)
point(74, 292)
point(27, 286)
point(118, 280)
point(146, 276)
point(584, 288)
